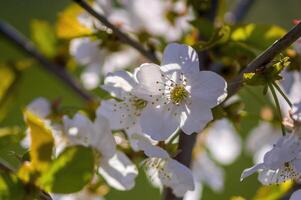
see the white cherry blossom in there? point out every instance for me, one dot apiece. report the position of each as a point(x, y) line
point(115, 167)
point(281, 163)
point(119, 171)
point(223, 142)
point(180, 95)
point(162, 168)
point(124, 114)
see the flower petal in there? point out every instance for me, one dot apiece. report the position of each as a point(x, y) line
point(223, 142)
point(296, 195)
point(250, 171)
point(177, 176)
point(158, 123)
point(119, 172)
point(196, 117)
point(208, 86)
point(102, 139)
point(40, 107)
point(148, 148)
point(119, 83)
point(115, 112)
point(183, 55)
point(150, 80)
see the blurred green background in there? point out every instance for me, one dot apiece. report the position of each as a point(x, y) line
point(35, 83)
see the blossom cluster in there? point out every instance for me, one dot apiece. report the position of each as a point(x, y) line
point(150, 106)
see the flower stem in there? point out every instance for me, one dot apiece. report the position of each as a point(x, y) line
point(277, 106)
point(282, 94)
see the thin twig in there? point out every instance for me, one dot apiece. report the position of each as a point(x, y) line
point(277, 106)
point(24, 44)
point(282, 94)
point(266, 57)
point(122, 36)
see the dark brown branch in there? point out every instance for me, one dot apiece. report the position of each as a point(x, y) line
point(24, 44)
point(240, 10)
point(266, 57)
point(122, 36)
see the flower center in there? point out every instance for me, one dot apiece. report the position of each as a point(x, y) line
point(139, 104)
point(178, 94)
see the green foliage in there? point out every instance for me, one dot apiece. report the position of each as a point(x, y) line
point(8, 84)
point(220, 35)
point(10, 147)
point(267, 74)
point(41, 142)
point(42, 33)
point(257, 36)
point(11, 188)
point(70, 172)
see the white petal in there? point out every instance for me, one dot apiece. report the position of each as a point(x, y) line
point(119, 172)
point(296, 195)
point(196, 193)
point(90, 77)
point(40, 107)
point(115, 112)
point(78, 130)
point(86, 51)
point(183, 55)
point(102, 139)
point(223, 142)
point(250, 171)
point(208, 86)
point(196, 117)
point(150, 79)
point(150, 150)
point(179, 178)
point(119, 83)
point(207, 172)
point(159, 124)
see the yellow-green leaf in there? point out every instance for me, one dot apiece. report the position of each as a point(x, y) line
point(41, 141)
point(11, 188)
point(70, 172)
point(257, 36)
point(44, 37)
point(68, 25)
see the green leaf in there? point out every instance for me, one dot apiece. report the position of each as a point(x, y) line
point(10, 148)
point(220, 36)
point(8, 85)
point(257, 36)
point(11, 188)
point(41, 142)
point(277, 68)
point(70, 172)
point(44, 37)
point(68, 26)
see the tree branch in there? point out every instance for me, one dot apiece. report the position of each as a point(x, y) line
point(266, 57)
point(24, 44)
point(239, 12)
point(116, 31)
